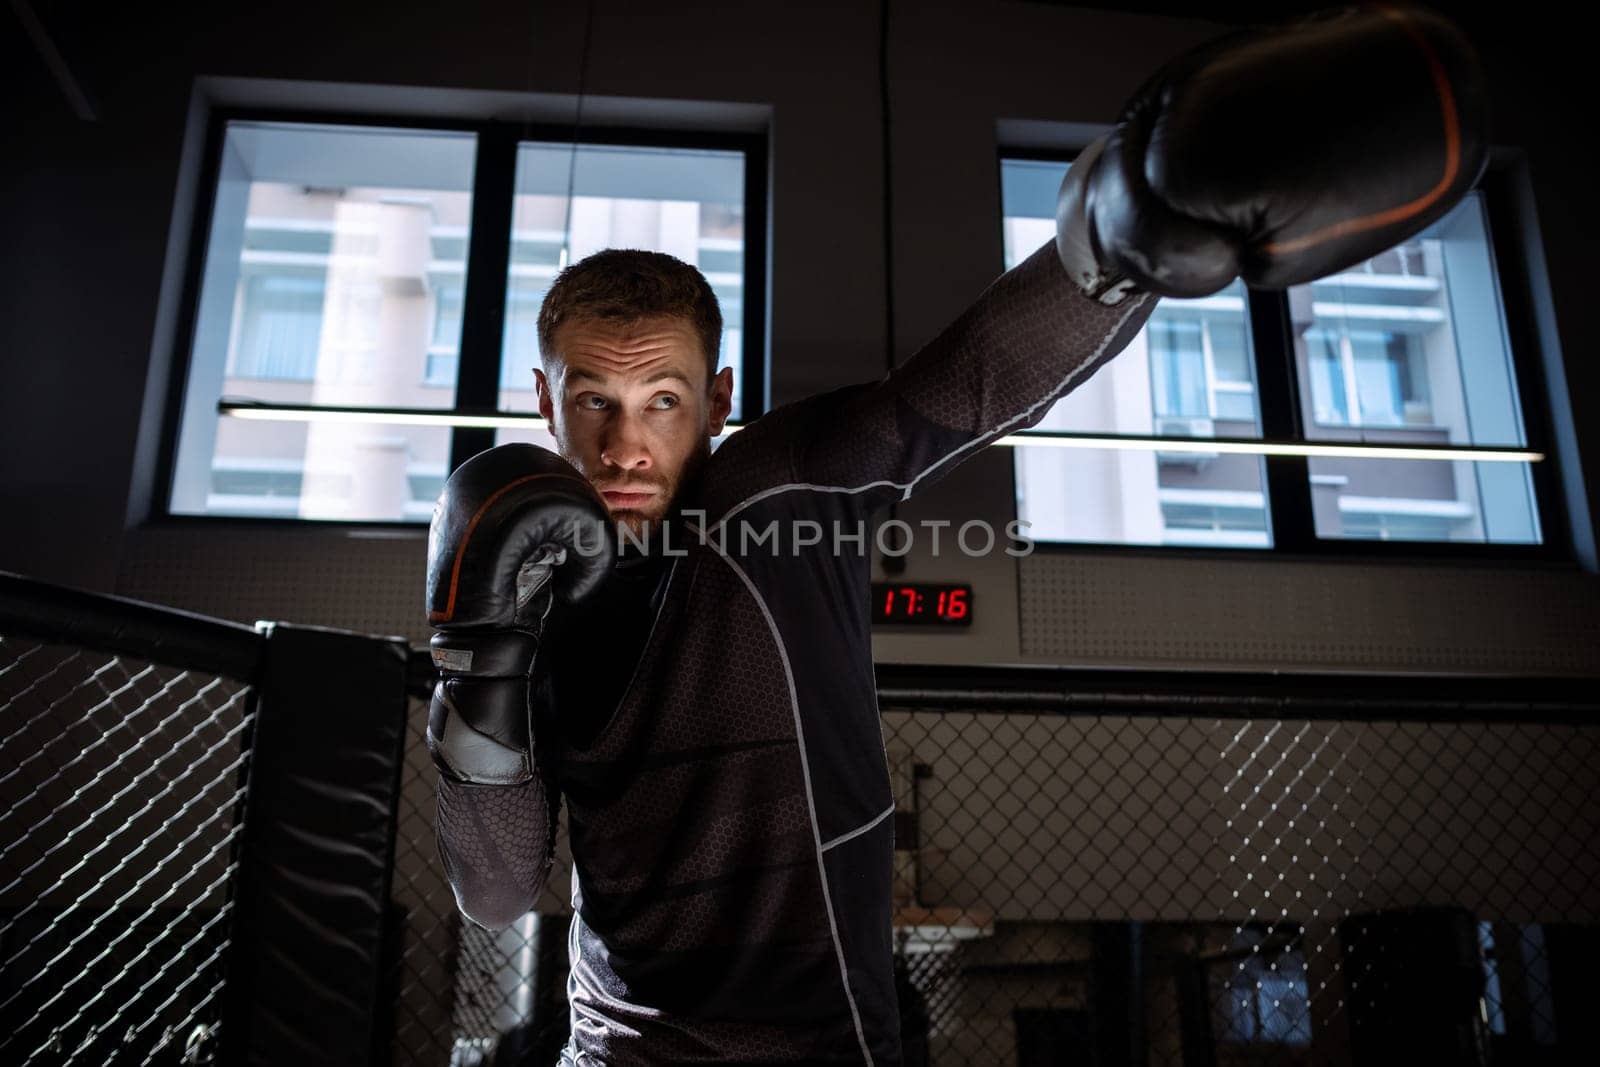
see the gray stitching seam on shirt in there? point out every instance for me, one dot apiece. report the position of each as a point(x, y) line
point(575, 956)
point(805, 774)
point(1027, 413)
point(858, 831)
point(976, 442)
point(776, 489)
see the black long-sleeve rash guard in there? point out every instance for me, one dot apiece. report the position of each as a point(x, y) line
point(728, 802)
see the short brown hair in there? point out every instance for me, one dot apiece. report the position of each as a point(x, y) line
point(623, 285)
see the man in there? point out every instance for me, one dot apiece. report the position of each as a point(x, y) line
point(708, 714)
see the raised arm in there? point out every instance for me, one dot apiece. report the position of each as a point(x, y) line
point(1246, 157)
point(1033, 336)
point(516, 531)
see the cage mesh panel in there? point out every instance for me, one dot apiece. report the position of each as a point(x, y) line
point(456, 981)
point(120, 786)
point(1267, 873)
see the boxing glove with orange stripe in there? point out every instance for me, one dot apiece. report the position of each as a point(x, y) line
point(1278, 155)
point(515, 531)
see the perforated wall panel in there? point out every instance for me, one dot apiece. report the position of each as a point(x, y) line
point(1369, 616)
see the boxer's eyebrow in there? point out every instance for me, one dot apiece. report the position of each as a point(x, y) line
point(668, 373)
point(660, 375)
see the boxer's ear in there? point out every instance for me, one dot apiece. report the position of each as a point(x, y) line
point(721, 399)
point(546, 403)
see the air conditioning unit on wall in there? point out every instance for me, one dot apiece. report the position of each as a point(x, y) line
point(1184, 426)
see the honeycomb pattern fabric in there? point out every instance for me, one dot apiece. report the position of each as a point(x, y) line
point(756, 458)
point(497, 844)
point(715, 737)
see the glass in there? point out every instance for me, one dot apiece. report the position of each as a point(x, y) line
point(1177, 354)
point(688, 203)
point(1264, 997)
point(1139, 497)
point(345, 471)
point(1189, 373)
point(332, 275)
point(1410, 347)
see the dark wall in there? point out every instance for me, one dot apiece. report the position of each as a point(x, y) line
point(93, 245)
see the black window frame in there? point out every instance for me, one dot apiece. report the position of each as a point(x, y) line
point(487, 260)
point(1288, 478)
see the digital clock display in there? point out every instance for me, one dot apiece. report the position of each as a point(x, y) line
point(921, 604)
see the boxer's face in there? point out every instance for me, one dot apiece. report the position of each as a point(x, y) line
point(631, 407)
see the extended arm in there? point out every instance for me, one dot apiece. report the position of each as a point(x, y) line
point(1247, 157)
point(1033, 336)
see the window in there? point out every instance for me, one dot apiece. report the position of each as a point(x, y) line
point(1516, 961)
point(281, 321)
point(1258, 988)
point(1410, 348)
point(332, 345)
point(445, 342)
point(1189, 373)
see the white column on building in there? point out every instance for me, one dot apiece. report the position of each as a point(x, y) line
point(373, 343)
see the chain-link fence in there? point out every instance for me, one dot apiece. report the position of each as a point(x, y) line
point(462, 988)
point(1161, 888)
point(120, 780)
point(1191, 891)
point(195, 835)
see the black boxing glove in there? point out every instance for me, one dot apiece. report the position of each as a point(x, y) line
point(1278, 155)
point(515, 530)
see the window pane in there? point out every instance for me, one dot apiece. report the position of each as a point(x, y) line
point(280, 328)
point(1178, 366)
point(688, 203)
point(1189, 373)
point(1230, 352)
point(1410, 347)
point(1137, 497)
point(1259, 992)
point(327, 470)
point(332, 276)
point(542, 438)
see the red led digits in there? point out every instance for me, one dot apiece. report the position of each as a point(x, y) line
point(922, 604)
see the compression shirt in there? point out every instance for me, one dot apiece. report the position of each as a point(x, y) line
point(727, 790)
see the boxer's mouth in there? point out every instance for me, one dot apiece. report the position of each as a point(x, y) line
point(626, 498)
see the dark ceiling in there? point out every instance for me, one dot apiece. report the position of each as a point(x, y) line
point(1262, 11)
point(1255, 11)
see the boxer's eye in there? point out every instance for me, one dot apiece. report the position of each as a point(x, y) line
point(591, 402)
point(664, 402)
